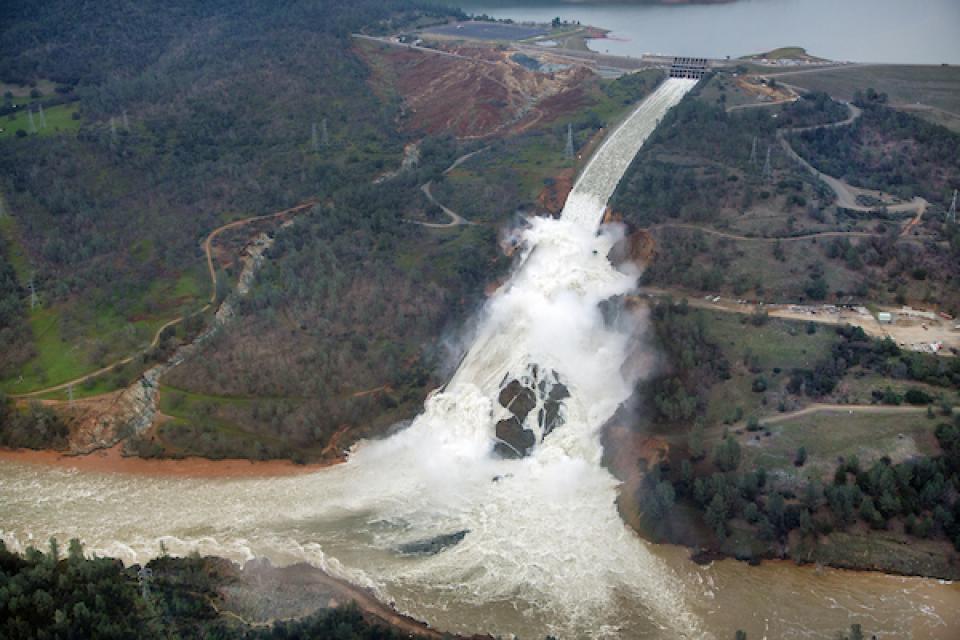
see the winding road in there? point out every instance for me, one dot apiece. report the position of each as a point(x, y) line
point(846, 193)
point(455, 218)
point(208, 250)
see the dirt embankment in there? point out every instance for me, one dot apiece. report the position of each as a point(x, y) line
point(554, 195)
point(112, 460)
point(481, 92)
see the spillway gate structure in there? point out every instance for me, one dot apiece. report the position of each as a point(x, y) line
point(694, 68)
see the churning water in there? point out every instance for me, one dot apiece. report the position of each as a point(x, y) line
point(433, 521)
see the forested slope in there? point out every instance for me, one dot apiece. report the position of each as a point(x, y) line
point(195, 113)
point(190, 113)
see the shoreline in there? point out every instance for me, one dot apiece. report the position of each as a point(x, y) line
point(113, 460)
point(626, 446)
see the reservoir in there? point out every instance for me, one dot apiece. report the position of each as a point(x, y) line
point(853, 30)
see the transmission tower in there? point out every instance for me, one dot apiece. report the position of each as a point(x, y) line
point(952, 212)
point(113, 130)
point(33, 127)
point(324, 134)
point(753, 152)
point(126, 121)
point(34, 300)
point(43, 118)
point(314, 140)
point(568, 152)
point(767, 167)
point(70, 394)
point(144, 575)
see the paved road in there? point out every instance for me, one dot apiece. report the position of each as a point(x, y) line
point(394, 43)
point(820, 68)
point(756, 105)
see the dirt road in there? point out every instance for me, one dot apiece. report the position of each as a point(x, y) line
point(455, 218)
point(846, 193)
point(732, 236)
point(843, 408)
point(208, 250)
point(911, 329)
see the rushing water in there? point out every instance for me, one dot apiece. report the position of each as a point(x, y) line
point(923, 32)
point(545, 550)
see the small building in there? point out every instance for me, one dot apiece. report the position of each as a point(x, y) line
point(885, 317)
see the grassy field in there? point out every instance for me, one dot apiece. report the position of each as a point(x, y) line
point(46, 87)
point(75, 338)
point(829, 435)
point(778, 343)
point(783, 53)
point(771, 351)
point(905, 85)
point(205, 425)
point(857, 387)
point(59, 119)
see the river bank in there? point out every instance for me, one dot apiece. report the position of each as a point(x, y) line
point(629, 454)
point(113, 460)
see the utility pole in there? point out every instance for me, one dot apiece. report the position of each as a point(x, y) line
point(569, 151)
point(113, 130)
point(70, 394)
point(767, 167)
point(314, 140)
point(33, 127)
point(126, 121)
point(952, 212)
point(324, 134)
point(43, 118)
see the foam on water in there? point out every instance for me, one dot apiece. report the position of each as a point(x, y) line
point(545, 549)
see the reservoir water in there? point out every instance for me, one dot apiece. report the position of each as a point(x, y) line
point(537, 546)
point(921, 32)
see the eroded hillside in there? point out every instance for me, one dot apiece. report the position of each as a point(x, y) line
point(472, 92)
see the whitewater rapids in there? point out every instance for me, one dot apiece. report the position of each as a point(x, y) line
point(545, 550)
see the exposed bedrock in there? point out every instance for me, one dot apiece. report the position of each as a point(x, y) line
point(536, 394)
point(434, 545)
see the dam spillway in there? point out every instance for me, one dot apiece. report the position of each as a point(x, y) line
point(531, 546)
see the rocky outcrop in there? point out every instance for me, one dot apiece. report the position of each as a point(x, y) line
point(514, 441)
point(536, 394)
point(433, 546)
point(100, 423)
point(637, 246)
